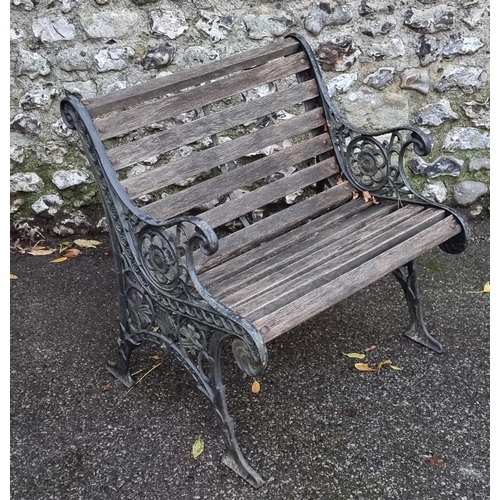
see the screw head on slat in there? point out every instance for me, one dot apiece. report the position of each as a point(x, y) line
point(264, 330)
point(113, 161)
point(85, 102)
point(101, 129)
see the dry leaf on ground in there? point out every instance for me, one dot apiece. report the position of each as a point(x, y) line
point(354, 355)
point(380, 364)
point(255, 387)
point(60, 259)
point(198, 447)
point(87, 243)
point(394, 367)
point(486, 288)
point(71, 252)
point(44, 251)
point(363, 367)
point(13, 277)
point(371, 348)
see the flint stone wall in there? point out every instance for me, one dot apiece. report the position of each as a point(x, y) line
point(417, 62)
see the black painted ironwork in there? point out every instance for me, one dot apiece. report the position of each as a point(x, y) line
point(160, 296)
point(417, 331)
point(375, 161)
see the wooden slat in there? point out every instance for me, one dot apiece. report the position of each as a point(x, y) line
point(325, 296)
point(324, 259)
point(207, 159)
point(193, 196)
point(161, 142)
point(294, 260)
point(275, 225)
point(318, 271)
point(351, 216)
point(188, 78)
point(151, 112)
point(269, 193)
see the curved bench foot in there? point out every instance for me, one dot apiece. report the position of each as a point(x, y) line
point(417, 331)
point(120, 368)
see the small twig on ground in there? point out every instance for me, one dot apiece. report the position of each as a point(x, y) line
point(144, 376)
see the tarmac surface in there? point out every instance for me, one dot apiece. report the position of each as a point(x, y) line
point(318, 429)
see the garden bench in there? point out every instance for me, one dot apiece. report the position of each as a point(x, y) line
point(240, 203)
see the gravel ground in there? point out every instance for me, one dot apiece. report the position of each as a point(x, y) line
point(318, 428)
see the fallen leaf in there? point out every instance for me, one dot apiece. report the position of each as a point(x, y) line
point(87, 243)
point(13, 277)
point(394, 367)
point(355, 195)
point(367, 196)
point(71, 252)
point(363, 367)
point(355, 355)
point(42, 251)
point(380, 364)
point(198, 447)
point(106, 387)
point(437, 462)
point(156, 328)
point(60, 259)
point(339, 181)
point(486, 288)
point(156, 357)
point(375, 201)
point(64, 245)
point(371, 348)
point(255, 387)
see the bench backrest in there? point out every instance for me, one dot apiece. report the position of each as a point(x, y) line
point(238, 123)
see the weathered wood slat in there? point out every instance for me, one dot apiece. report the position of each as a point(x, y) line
point(193, 196)
point(161, 142)
point(207, 159)
point(318, 249)
point(324, 296)
point(318, 270)
point(348, 217)
point(188, 78)
point(269, 193)
point(275, 225)
point(332, 259)
point(122, 122)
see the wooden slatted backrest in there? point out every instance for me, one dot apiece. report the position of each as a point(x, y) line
point(192, 140)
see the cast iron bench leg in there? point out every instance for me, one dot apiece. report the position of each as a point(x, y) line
point(407, 277)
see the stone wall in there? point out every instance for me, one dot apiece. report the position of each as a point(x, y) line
point(417, 62)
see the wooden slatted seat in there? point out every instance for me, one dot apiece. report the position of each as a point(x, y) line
point(241, 203)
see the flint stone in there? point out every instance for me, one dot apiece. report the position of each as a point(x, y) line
point(479, 113)
point(47, 30)
point(390, 50)
point(169, 23)
point(67, 226)
point(435, 114)
point(158, 56)
point(467, 192)
point(262, 26)
point(27, 183)
point(444, 165)
point(25, 124)
point(38, 98)
point(200, 55)
point(339, 55)
point(290, 199)
point(429, 20)
point(261, 91)
point(367, 8)
point(87, 89)
point(60, 129)
point(16, 34)
point(467, 78)
point(26, 4)
point(66, 6)
point(475, 17)
point(17, 154)
point(108, 24)
point(322, 14)
point(73, 59)
point(214, 27)
point(114, 59)
point(64, 179)
point(428, 50)
point(382, 78)
point(466, 138)
point(459, 45)
point(48, 204)
point(477, 164)
point(16, 205)
point(435, 191)
point(32, 64)
point(342, 83)
point(416, 79)
point(118, 85)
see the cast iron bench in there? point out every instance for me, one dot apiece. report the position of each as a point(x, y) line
point(207, 262)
